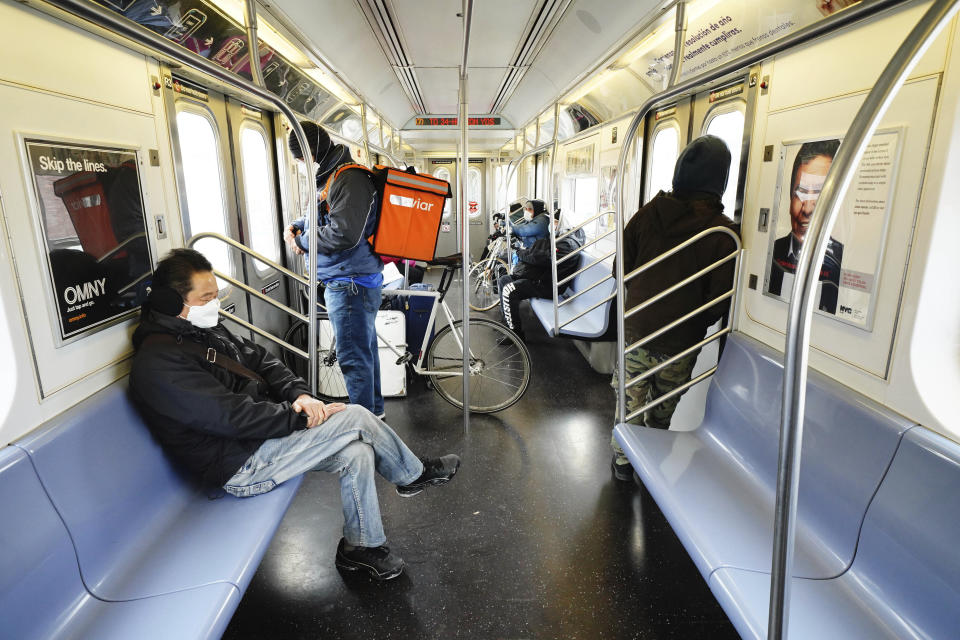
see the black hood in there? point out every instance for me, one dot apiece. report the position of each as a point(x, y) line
point(337, 156)
point(703, 166)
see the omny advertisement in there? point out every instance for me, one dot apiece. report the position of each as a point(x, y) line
point(847, 284)
point(93, 229)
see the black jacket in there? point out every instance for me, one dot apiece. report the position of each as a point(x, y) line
point(534, 263)
point(208, 419)
point(662, 224)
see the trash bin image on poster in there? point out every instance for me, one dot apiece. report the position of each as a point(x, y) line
point(94, 231)
point(850, 269)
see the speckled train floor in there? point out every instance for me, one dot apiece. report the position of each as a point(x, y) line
point(534, 538)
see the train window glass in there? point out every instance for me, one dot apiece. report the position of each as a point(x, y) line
point(373, 130)
point(203, 184)
point(728, 126)
point(530, 135)
point(530, 177)
point(444, 174)
point(474, 191)
point(543, 162)
point(260, 207)
point(505, 192)
point(547, 124)
point(663, 157)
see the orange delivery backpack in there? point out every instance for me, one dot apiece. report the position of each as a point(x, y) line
point(410, 209)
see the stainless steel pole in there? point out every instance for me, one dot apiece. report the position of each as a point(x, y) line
point(805, 287)
point(464, 214)
point(253, 43)
point(553, 223)
point(678, 45)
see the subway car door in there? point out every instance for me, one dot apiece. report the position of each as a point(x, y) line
point(722, 112)
point(251, 138)
point(477, 212)
point(205, 182)
point(668, 133)
point(447, 242)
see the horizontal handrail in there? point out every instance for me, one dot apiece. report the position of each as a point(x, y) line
point(583, 224)
point(662, 330)
point(649, 301)
point(686, 243)
point(242, 248)
point(261, 296)
point(589, 266)
point(586, 311)
point(143, 276)
point(580, 250)
point(120, 246)
point(580, 293)
point(266, 334)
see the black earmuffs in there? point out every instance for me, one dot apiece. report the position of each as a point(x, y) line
point(166, 301)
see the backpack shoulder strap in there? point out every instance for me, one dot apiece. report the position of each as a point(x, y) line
point(209, 354)
point(336, 172)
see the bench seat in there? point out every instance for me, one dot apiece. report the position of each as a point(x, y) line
point(905, 580)
point(595, 323)
point(716, 484)
point(139, 531)
point(41, 592)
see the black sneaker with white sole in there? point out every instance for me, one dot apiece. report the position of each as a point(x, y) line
point(379, 562)
point(435, 471)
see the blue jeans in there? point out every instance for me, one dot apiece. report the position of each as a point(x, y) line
point(353, 313)
point(353, 443)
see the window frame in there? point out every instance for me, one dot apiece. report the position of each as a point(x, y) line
point(276, 252)
point(667, 123)
point(735, 105)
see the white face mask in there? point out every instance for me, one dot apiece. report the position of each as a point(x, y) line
point(204, 316)
point(527, 215)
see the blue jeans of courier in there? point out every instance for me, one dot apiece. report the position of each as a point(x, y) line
point(353, 313)
point(352, 443)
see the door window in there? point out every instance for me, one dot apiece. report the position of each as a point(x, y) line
point(258, 197)
point(663, 157)
point(444, 174)
point(474, 192)
point(203, 184)
point(728, 126)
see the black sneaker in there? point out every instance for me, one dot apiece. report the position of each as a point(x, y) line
point(435, 471)
point(623, 472)
point(377, 561)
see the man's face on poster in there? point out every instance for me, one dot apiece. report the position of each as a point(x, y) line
point(804, 193)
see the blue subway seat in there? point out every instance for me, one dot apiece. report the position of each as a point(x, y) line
point(593, 324)
point(857, 560)
point(139, 528)
point(43, 596)
point(905, 580)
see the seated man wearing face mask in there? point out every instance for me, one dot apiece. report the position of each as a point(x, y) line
point(535, 224)
point(234, 416)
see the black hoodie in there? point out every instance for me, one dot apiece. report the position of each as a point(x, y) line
point(206, 418)
point(661, 224)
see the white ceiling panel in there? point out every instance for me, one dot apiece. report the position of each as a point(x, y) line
point(482, 86)
point(440, 88)
point(432, 31)
point(496, 30)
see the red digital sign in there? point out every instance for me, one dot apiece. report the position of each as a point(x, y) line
point(474, 121)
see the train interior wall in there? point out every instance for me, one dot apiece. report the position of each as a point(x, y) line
point(87, 89)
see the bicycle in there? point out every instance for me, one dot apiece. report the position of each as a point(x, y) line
point(499, 366)
point(484, 275)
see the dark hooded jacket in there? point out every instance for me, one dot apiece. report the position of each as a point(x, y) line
point(663, 223)
point(207, 418)
point(534, 263)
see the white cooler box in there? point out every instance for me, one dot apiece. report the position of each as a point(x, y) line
point(391, 325)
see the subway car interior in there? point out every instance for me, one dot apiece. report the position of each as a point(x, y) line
point(791, 472)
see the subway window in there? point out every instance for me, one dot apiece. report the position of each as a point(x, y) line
point(203, 184)
point(258, 196)
point(663, 157)
point(444, 174)
point(728, 126)
point(474, 191)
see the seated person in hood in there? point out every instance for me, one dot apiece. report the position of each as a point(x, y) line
point(669, 219)
point(244, 422)
point(535, 224)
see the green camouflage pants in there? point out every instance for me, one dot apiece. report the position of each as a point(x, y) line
point(660, 383)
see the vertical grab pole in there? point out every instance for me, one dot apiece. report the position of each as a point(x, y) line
point(253, 44)
point(363, 127)
point(464, 215)
point(678, 44)
point(801, 300)
point(553, 223)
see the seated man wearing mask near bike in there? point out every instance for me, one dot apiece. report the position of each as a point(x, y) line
point(346, 264)
point(533, 277)
point(535, 224)
point(233, 416)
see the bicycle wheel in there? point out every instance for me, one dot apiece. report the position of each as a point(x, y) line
point(484, 283)
point(499, 365)
point(330, 382)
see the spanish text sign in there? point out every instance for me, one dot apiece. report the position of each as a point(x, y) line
point(94, 231)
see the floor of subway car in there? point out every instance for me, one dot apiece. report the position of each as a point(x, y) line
point(533, 538)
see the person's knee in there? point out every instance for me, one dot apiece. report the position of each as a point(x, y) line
point(358, 457)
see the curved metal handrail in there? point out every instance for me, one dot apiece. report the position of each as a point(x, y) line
point(845, 17)
point(100, 16)
point(805, 286)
